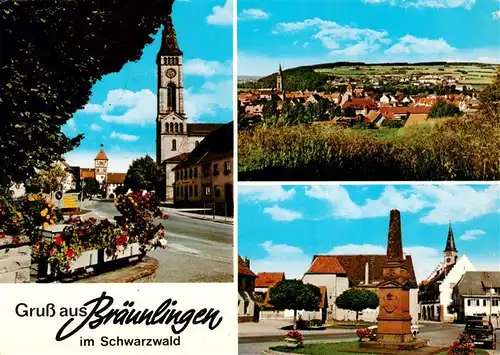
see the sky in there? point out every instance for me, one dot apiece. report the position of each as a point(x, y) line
point(280, 228)
point(121, 112)
point(305, 32)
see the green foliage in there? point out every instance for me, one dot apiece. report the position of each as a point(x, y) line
point(490, 97)
point(443, 109)
point(120, 190)
point(52, 54)
point(47, 180)
point(355, 299)
point(463, 148)
point(90, 187)
point(295, 79)
point(144, 174)
point(294, 294)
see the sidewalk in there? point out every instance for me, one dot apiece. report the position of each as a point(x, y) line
point(188, 212)
point(272, 327)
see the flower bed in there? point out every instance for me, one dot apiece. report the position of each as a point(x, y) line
point(83, 244)
point(294, 339)
point(463, 346)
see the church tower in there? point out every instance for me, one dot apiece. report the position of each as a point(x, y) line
point(171, 120)
point(101, 166)
point(450, 252)
point(280, 83)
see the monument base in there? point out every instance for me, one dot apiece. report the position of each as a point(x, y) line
point(395, 344)
point(397, 338)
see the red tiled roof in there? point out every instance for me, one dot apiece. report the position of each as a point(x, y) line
point(243, 268)
point(101, 155)
point(177, 159)
point(354, 266)
point(115, 178)
point(360, 103)
point(268, 279)
point(325, 264)
point(87, 173)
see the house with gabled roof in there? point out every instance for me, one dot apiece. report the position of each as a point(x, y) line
point(435, 292)
point(248, 307)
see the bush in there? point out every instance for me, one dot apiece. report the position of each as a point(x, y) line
point(295, 334)
point(465, 148)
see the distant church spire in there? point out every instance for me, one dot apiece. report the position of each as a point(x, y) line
point(450, 241)
point(169, 44)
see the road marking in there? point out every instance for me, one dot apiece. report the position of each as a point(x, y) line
point(182, 248)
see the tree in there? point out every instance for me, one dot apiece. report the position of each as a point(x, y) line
point(47, 181)
point(270, 110)
point(356, 299)
point(490, 97)
point(52, 54)
point(90, 187)
point(294, 294)
point(443, 109)
point(120, 190)
point(144, 174)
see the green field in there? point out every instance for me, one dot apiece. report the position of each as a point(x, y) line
point(474, 74)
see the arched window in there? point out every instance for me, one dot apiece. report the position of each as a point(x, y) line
point(166, 127)
point(171, 127)
point(181, 128)
point(176, 127)
point(171, 97)
point(174, 144)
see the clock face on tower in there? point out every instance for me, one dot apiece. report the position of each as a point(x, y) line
point(171, 73)
point(448, 260)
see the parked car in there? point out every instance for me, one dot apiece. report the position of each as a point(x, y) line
point(415, 329)
point(482, 332)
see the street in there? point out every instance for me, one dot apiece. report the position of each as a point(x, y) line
point(437, 334)
point(198, 250)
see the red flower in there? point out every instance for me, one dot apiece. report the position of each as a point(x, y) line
point(3, 235)
point(121, 240)
point(70, 253)
point(165, 216)
point(58, 240)
point(51, 251)
point(16, 240)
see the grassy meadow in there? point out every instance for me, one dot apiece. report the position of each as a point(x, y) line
point(466, 148)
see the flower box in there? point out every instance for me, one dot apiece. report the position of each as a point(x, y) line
point(15, 259)
point(131, 250)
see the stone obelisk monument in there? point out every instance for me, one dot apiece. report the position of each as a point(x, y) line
point(394, 320)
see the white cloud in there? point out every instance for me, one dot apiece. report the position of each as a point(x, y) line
point(339, 39)
point(71, 124)
point(95, 127)
point(496, 15)
point(439, 204)
point(467, 4)
point(222, 15)
point(305, 44)
point(460, 203)
point(118, 161)
point(343, 207)
point(124, 137)
point(282, 214)
point(140, 107)
point(282, 258)
point(264, 193)
point(410, 44)
point(356, 249)
point(295, 43)
point(253, 14)
point(472, 234)
point(210, 98)
point(207, 68)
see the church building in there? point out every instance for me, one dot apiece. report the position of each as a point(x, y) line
point(435, 292)
point(175, 137)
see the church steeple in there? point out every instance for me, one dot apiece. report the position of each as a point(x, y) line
point(169, 44)
point(450, 252)
point(280, 83)
point(450, 241)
